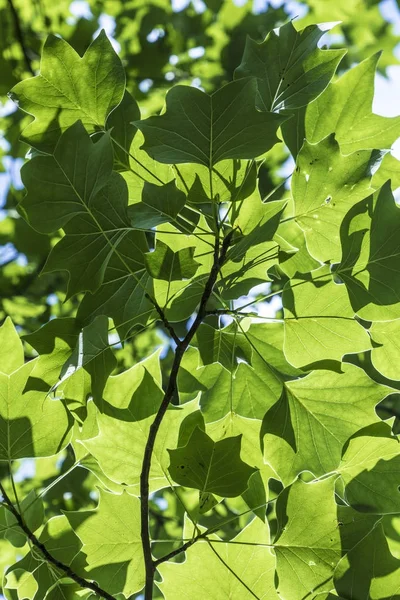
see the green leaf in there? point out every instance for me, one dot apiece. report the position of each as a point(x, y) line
point(164, 263)
point(203, 129)
point(345, 108)
point(385, 352)
point(369, 267)
point(159, 204)
point(92, 352)
point(369, 569)
point(68, 353)
point(319, 321)
point(63, 545)
point(11, 349)
point(221, 345)
point(111, 541)
point(370, 470)
point(31, 424)
point(298, 72)
point(326, 184)
point(74, 175)
point(70, 88)
point(208, 466)
point(230, 181)
point(131, 400)
point(32, 512)
point(246, 390)
point(249, 570)
point(310, 543)
point(122, 130)
point(306, 430)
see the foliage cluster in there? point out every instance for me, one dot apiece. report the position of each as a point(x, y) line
point(185, 444)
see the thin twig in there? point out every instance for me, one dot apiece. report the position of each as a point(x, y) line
point(219, 258)
point(84, 583)
point(182, 548)
point(20, 36)
point(163, 318)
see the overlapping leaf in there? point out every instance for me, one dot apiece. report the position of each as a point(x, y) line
point(290, 67)
point(70, 88)
point(203, 129)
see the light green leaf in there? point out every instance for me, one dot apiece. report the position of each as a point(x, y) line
point(11, 349)
point(93, 353)
point(208, 466)
point(255, 496)
point(70, 88)
point(370, 469)
point(308, 427)
point(371, 249)
point(345, 108)
point(310, 543)
point(230, 181)
point(369, 569)
point(247, 390)
point(32, 512)
point(250, 569)
point(385, 352)
point(164, 263)
point(319, 321)
point(131, 401)
point(203, 129)
point(31, 424)
point(72, 361)
point(298, 72)
point(111, 541)
point(325, 185)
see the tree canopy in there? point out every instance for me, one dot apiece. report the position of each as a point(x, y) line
point(200, 302)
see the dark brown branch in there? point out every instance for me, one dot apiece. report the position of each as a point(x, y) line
point(84, 583)
point(20, 36)
point(164, 319)
point(179, 550)
point(219, 258)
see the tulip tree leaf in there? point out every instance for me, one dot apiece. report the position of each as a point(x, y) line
point(70, 88)
point(370, 471)
point(74, 174)
point(203, 129)
point(300, 71)
point(202, 573)
point(159, 204)
point(309, 425)
point(352, 121)
point(370, 256)
point(116, 565)
point(319, 321)
point(31, 424)
point(168, 265)
point(202, 464)
point(326, 184)
point(384, 354)
point(309, 543)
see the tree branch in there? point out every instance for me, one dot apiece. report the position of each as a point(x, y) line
point(164, 319)
point(84, 583)
point(150, 565)
point(182, 548)
point(20, 36)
